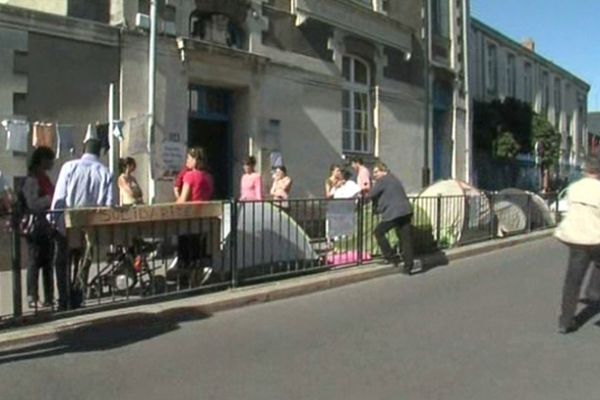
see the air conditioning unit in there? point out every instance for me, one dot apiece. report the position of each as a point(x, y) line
point(168, 28)
point(142, 21)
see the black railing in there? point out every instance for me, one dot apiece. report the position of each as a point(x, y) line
point(139, 256)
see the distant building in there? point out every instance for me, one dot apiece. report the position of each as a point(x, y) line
point(593, 139)
point(501, 67)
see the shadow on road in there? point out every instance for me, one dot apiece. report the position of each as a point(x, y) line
point(106, 334)
point(433, 260)
point(587, 313)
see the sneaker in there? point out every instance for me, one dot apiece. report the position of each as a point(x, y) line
point(206, 273)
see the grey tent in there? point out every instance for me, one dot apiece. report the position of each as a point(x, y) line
point(265, 236)
point(519, 210)
point(464, 211)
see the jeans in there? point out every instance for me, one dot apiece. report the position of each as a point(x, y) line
point(62, 259)
point(40, 257)
point(403, 231)
point(580, 259)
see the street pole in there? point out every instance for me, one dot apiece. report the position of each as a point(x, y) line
point(425, 36)
point(151, 106)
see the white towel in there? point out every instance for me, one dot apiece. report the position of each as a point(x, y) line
point(17, 135)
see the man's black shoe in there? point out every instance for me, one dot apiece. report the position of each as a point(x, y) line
point(564, 328)
point(390, 261)
point(406, 269)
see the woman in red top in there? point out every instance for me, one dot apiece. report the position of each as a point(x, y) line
point(37, 194)
point(197, 183)
point(197, 186)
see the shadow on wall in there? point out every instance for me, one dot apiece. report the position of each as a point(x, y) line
point(111, 333)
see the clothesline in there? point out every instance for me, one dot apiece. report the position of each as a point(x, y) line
point(61, 136)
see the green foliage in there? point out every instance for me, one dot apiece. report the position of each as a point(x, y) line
point(505, 147)
point(550, 139)
point(502, 129)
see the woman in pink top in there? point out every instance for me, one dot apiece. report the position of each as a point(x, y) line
point(197, 183)
point(251, 187)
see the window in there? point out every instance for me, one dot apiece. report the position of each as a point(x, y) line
point(557, 102)
point(511, 75)
point(356, 106)
point(216, 28)
point(545, 86)
point(527, 82)
point(440, 17)
point(492, 69)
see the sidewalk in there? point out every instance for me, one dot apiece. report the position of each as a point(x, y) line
point(216, 302)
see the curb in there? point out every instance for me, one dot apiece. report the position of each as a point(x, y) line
point(235, 298)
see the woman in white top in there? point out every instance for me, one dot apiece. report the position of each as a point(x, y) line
point(130, 191)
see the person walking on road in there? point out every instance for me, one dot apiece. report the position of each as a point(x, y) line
point(580, 231)
point(396, 213)
point(85, 182)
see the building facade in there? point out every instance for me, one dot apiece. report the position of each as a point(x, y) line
point(501, 67)
point(308, 82)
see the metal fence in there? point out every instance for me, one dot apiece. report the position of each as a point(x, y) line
point(116, 256)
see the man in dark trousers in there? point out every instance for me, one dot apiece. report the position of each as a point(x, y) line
point(396, 212)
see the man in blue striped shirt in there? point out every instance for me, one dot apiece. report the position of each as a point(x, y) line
point(85, 182)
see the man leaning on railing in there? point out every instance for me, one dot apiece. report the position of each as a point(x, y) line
point(396, 213)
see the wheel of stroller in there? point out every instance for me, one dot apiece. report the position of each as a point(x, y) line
point(124, 277)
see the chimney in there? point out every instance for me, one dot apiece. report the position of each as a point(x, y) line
point(529, 44)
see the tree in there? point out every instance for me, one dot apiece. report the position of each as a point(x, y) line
point(548, 139)
point(505, 146)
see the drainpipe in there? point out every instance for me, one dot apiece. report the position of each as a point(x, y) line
point(426, 47)
point(467, 76)
point(151, 87)
point(151, 107)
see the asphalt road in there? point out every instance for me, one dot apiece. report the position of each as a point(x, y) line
point(480, 328)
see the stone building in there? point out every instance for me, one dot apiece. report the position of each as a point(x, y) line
point(500, 67)
point(312, 81)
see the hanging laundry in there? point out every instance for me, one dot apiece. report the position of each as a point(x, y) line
point(17, 135)
point(66, 142)
point(137, 140)
point(118, 129)
point(102, 132)
point(44, 135)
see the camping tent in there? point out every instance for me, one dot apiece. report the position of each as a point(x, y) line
point(518, 210)
point(266, 236)
point(459, 212)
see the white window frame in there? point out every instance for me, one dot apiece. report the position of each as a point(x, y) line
point(511, 75)
point(557, 101)
point(545, 90)
point(528, 82)
point(491, 65)
point(350, 132)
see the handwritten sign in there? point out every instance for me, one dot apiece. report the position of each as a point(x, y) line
point(85, 217)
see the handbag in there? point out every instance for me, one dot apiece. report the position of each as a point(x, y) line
point(36, 227)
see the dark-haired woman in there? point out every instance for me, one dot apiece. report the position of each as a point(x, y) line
point(130, 191)
point(197, 182)
point(37, 193)
point(251, 186)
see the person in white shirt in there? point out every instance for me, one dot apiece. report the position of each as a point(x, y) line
point(580, 231)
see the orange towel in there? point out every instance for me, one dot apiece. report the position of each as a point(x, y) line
point(44, 135)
